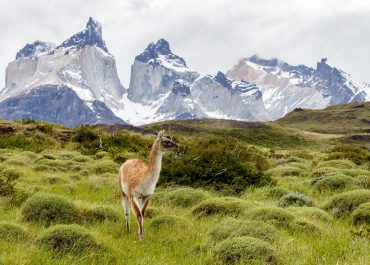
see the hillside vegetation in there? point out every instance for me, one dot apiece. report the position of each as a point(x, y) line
point(237, 193)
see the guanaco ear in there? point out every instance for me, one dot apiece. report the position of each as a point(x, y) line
point(160, 134)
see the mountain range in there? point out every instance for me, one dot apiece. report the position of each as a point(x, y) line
point(76, 82)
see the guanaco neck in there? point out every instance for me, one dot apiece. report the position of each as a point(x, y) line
point(155, 160)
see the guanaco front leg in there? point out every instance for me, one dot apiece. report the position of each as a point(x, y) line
point(135, 203)
point(144, 204)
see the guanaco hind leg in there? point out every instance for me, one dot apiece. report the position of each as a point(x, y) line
point(126, 208)
point(144, 204)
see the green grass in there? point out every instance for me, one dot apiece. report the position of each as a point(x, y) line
point(185, 224)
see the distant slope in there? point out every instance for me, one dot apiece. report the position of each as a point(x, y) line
point(352, 118)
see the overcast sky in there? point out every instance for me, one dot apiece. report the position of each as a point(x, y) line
point(210, 35)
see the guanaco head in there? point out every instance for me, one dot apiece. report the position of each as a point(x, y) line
point(167, 144)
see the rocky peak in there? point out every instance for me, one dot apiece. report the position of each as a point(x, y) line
point(327, 72)
point(160, 49)
point(34, 50)
point(181, 87)
point(91, 36)
point(223, 80)
point(264, 62)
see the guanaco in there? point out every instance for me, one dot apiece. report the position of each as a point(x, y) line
point(138, 181)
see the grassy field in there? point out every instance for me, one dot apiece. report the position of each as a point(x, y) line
point(60, 204)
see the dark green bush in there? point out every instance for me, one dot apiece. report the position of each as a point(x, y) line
point(274, 215)
point(277, 192)
point(346, 202)
point(152, 212)
point(229, 206)
point(218, 163)
point(8, 180)
point(186, 197)
point(234, 228)
point(12, 232)
point(295, 199)
point(100, 214)
point(361, 216)
point(353, 153)
point(244, 250)
point(49, 209)
point(301, 225)
point(311, 213)
point(166, 221)
point(44, 128)
point(68, 239)
point(334, 182)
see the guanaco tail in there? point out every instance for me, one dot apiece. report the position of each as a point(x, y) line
point(138, 180)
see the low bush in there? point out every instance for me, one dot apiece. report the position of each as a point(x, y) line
point(311, 213)
point(166, 221)
point(234, 228)
point(102, 154)
point(295, 199)
point(152, 212)
point(186, 197)
point(351, 152)
point(364, 181)
point(12, 232)
point(301, 225)
point(285, 171)
point(361, 216)
point(49, 209)
point(277, 192)
point(54, 180)
point(8, 179)
point(68, 239)
point(215, 165)
point(103, 166)
point(334, 182)
point(273, 215)
point(244, 250)
point(318, 172)
point(344, 203)
point(29, 155)
point(341, 164)
point(99, 214)
point(15, 163)
point(221, 206)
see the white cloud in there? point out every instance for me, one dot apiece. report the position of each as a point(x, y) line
point(210, 35)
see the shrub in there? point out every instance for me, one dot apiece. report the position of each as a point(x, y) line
point(353, 153)
point(318, 172)
point(342, 164)
point(42, 168)
point(100, 214)
point(49, 209)
point(151, 212)
point(346, 202)
point(103, 166)
point(295, 199)
point(361, 215)
point(11, 232)
point(285, 171)
point(102, 154)
point(244, 250)
point(334, 182)
point(301, 225)
point(215, 165)
point(221, 206)
point(8, 180)
point(234, 228)
point(364, 181)
point(29, 154)
point(54, 179)
point(15, 162)
point(68, 239)
point(166, 221)
point(277, 192)
point(274, 215)
point(311, 213)
point(185, 197)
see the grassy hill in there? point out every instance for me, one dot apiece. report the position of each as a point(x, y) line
point(238, 193)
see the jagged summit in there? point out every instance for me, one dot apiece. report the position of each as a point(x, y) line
point(238, 87)
point(160, 50)
point(33, 50)
point(91, 36)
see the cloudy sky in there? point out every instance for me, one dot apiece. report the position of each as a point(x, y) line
point(210, 35)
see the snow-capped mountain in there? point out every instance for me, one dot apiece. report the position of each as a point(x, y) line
point(154, 72)
point(285, 87)
point(76, 82)
point(81, 63)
